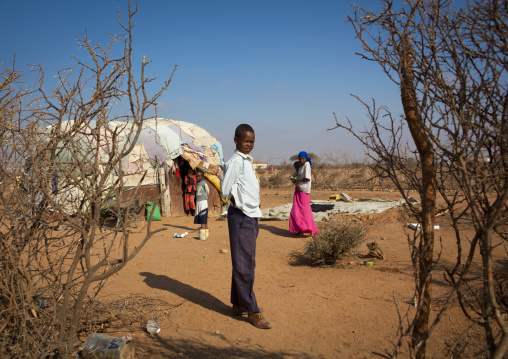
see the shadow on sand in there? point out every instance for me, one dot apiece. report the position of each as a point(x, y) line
point(187, 228)
point(282, 232)
point(187, 292)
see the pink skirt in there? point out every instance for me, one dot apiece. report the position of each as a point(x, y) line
point(301, 218)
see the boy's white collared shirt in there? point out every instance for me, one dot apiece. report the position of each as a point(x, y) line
point(240, 181)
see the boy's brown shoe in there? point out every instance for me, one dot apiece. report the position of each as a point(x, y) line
point(257, 320)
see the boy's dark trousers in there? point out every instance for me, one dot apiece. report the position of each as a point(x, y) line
point(243, 231)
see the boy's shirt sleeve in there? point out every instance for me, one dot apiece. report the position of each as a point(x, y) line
point(207, 189)
point(230, 178)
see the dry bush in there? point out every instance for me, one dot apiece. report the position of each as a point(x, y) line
point(334, 240)
point(458, 129)
point(60, 164)
point(331, 177)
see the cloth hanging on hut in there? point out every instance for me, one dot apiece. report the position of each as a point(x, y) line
point(156, 152)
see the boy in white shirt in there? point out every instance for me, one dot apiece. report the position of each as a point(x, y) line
point(241, 186)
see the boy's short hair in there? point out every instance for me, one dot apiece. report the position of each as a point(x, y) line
point(243, 128)
point(198, 170)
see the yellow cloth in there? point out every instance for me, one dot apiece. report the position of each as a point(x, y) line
point(215, 181)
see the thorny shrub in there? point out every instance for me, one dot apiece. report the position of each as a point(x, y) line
point(328, 177)
point(59, 154)
point(335, 240)
point(274, 181)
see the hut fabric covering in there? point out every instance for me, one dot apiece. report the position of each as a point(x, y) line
point(160, 142)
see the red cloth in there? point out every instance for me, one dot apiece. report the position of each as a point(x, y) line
point(301, 218)
point(190, 204)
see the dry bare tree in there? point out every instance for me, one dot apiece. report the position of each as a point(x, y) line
point(450, 62)
point(63, 162)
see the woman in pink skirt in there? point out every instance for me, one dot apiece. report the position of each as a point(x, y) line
point(301, 219)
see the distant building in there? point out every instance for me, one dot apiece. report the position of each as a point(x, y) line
point(259, 165)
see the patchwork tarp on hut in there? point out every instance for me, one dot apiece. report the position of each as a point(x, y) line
point(157, 162)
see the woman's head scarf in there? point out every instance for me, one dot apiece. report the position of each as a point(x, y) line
point(305, 155)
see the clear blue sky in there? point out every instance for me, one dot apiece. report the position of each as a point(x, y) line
point(283, 66)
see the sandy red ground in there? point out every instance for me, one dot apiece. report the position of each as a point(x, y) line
point(347, 311)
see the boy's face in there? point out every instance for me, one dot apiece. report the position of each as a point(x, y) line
point(245, 143)
point(199, 176)
point(302, 160)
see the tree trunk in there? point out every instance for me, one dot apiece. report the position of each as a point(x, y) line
point(426, 246)
point(497, 347)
